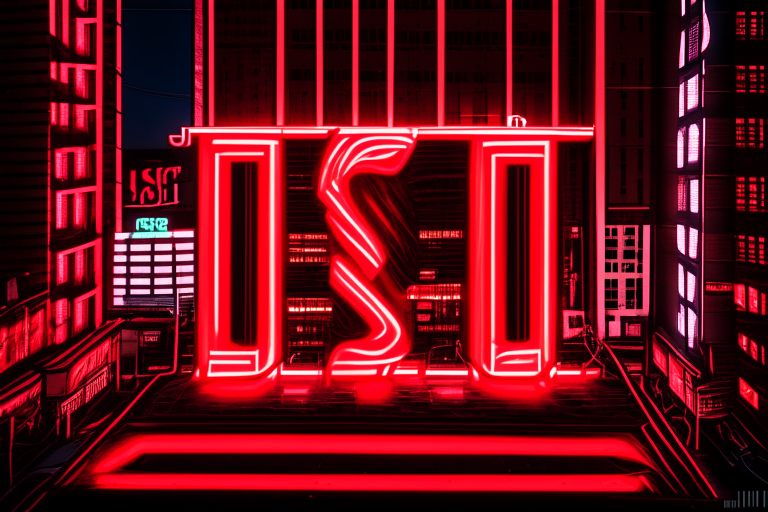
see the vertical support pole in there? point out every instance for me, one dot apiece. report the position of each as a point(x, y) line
point(555, 62)
point(319, 54)
point(509, 61)
point(355, 62)
point(280, 67)
point(440, 63)
point(600, 161)
point(390, 63)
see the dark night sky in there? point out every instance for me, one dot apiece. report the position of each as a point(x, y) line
point(157, 67)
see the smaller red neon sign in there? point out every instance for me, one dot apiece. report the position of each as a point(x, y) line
point(156, 187)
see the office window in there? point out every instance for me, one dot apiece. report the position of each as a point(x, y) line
point(693, 41)
point(693, 328)
point(62, 268)
point(690, 293)
point(681, 147)
point(748, 394)
point(692, 86)
point(681, 320)
point(681, 103)
point(680, 280)
point(681, 238)
point(693, 243)
point(681, 60)
point(694, 195)
point(752, 300)
point(739, 297)
point(693, 143)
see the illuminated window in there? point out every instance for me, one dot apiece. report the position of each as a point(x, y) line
point(682, 7)
point(83, 39)
point(741, 248)
point(750, 249)
point(690, 287)
point(308, 248)
point(681, 62)
point(79, 266)
point(446, 291)
point(61, 210)
point(427, 275)
point(682, 192)
point(81, 163)
point(61, 167)
point(681, 238)
point(54, 113)
point(693, 243)
point(62, 314)
point(423, 317)
point(694, 193)
point(681, 103)
point(64, 114)
point(680, 148)
point(423, 305)
point(79, 209)
point(693, 143)
point(747, 393)
point(743, 342)
point(680, 280)
point(681, 320)
point(62, 268)
point(739, 297)
point(692, 86)
point(693, 329)
point(752, 300)
point(81, 83)
point(753, 349)
point(81, 315)
point(693, 41)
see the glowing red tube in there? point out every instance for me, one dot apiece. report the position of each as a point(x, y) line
point(387, 483)
point(616, 446)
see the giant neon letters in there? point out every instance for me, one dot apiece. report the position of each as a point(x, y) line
point(496, 348)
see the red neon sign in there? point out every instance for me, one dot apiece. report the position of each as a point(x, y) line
point(496, 347)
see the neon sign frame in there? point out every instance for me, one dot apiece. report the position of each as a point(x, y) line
point(491, 148)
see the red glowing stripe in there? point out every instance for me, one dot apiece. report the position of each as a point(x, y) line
point(135, 446)
point(381, 483)
point(280, 81)
point(457, 373)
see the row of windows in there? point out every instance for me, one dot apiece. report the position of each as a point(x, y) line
point(626, 268)
point(750, 194)
point(750, 249)
point(750, 79)
point(752, 348)
point(750, 133)
point(750, 25)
